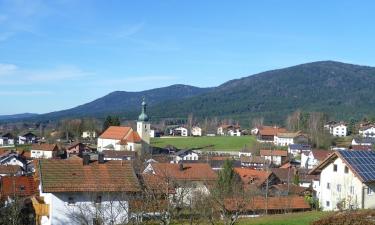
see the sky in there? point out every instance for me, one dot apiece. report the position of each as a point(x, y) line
point(59, 54)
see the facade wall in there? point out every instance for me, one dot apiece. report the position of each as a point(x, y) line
point(339, 187)
point(370, 132)
point(283, 141)
point(61, 212)
point(39, 154)
point(339, 131)
point(102, 143)
point(143, 129)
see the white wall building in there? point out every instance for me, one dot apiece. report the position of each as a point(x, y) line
point(119, 138)
point(229, 130)
point(339, 130)
point(347, 180)
point(367, 132)
point(89, 134)
point(196, 131)
point(180, 131)
point(185, 155)
point(95, 189)
point(313, 158)
point(44, 151)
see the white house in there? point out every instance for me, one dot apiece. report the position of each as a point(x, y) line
point(313, 158)
point(196, 131)
point(277, 157)
point(298, 149)
point(339, 129)
point(347, 180)
point(368, 131)
point(28, 138)
point(184, 155)
point(44, 151)
point(229, 130)
point(369, 141)
point(285, 139)
point(180, 131)
point(7, 140)
point(119, 138)
point(89, 134)
point(74, 189)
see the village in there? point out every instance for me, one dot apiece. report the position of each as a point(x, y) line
point(119, 177)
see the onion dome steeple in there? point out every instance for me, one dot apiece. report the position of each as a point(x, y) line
point(143, 116)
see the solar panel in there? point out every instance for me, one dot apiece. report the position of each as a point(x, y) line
point(363, 162)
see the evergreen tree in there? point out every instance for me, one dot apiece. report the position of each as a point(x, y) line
point(111, 121)
point(227, 178)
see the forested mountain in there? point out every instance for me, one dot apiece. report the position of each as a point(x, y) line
point(339, 89)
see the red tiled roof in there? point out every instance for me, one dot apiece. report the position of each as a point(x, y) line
point(44, 147)
point(320, 154)
point(20, 186)
point(115, 132)
point(73, 176)
point(9, 169)
point(284, 173)
point(361, 148)
point(273, 153)
point(154, 183)
point(293, 189)
point(133, 137)
point(270, 130)
point(252, 176)
point(119, 154)
point(191, 171)
point(273, 203)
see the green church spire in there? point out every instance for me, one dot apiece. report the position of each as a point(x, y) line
point(143, 116)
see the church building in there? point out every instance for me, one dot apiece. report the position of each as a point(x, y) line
point(122, 138)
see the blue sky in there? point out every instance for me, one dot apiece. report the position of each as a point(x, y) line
point(59, 54)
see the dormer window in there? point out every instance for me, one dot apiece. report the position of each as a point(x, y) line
point(71, 201)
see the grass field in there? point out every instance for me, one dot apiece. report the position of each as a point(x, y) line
point(224, 143)
point(304, 218)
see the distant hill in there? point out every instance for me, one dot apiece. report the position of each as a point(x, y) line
point(120, 102)
point(339, 89)
point(18, 116)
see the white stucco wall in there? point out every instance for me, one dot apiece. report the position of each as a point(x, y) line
point(39, 154)
point(351, 188)
point(102, 143)
point(281, 141)
point(61, 212)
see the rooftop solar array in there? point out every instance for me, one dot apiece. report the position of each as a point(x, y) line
point(363, 162)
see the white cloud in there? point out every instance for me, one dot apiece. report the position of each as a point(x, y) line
point(24, 93)
point(7, 69)
point(21, 76)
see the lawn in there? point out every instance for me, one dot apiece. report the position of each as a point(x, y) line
point(303, 218)
point(223, 143)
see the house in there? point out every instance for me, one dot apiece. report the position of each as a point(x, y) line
point(155, 133)
point(10, 170)
point(254, 131)
point(287, 189)
point(276, 157)
point(187, 178)
point(268, 133)
point(256, 179)
point(119, 155)
point(70, 186)
point(19, 186)
point(285, 139)
point(363, 141)
point(77, 148)
point(367, 131)
point(298, 149)
point(338, 129)
point(89, 134)
point(229, 130)
point(119, 138)
point(347, 180)
point(180, 131)
point(14, 159)
point(27, 138)
point(361, 148)
point(44, 151)
point(313, 158)
point(196, 131)
point(255, 162)
point(7, 140)
point(184, 155)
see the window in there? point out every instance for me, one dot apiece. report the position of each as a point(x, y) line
point(346, 169)
point(71, 201)
point(351, 190)
point(98, 199)
point(22, 188)
point(327, 203)
point(328, 186)
point(338, 188)
point(369, 191)
point(334, 168)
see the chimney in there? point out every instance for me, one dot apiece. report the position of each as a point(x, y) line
point(86, 159)
point(101, 157)
point(180, 165)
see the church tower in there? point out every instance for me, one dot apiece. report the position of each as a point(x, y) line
point(143, 125)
